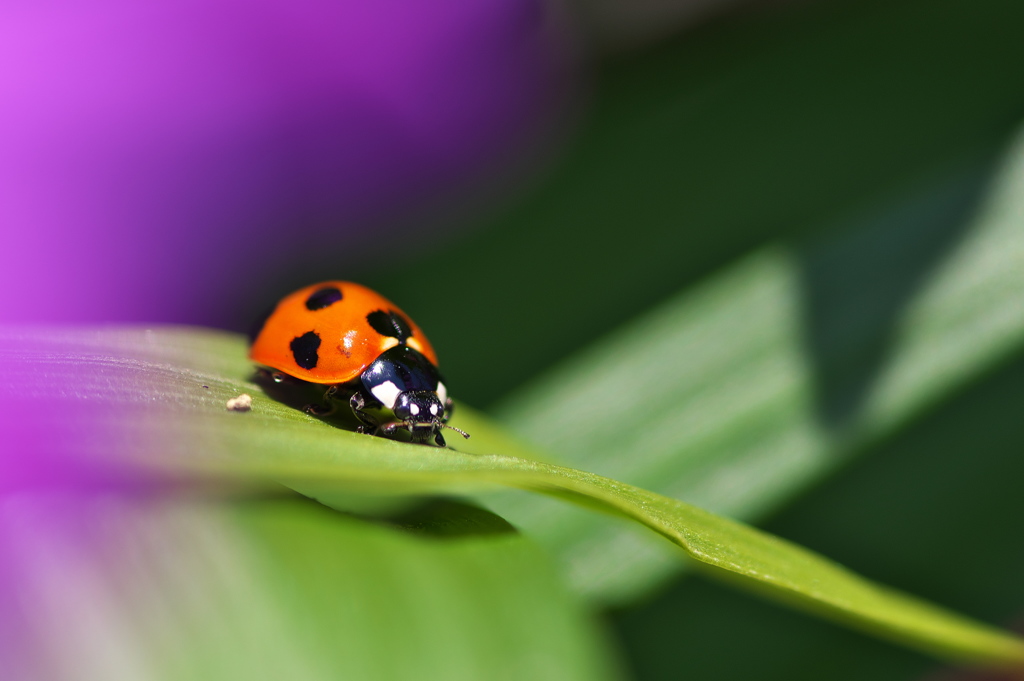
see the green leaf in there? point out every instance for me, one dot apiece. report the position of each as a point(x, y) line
point(159, 414)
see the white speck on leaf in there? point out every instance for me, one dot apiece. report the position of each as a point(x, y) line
point(241, 403)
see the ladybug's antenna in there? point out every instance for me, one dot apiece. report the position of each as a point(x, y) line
point(457, 430)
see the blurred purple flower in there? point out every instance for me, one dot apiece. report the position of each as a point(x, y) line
point(153, 154)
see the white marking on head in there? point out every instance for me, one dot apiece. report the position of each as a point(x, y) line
point(387, 392)
point(442, 393)
point(414, 409)
point(433, 409)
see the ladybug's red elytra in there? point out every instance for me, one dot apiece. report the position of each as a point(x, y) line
point(357, 342)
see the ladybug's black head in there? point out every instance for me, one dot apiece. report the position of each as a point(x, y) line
point(419, 408)
point(423, 413)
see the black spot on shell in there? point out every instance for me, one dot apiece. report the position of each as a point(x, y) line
point(390, 323)
point(322, 298)
point(257, 326)
point(304, 349)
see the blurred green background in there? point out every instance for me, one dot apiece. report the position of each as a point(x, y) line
point(861, 139)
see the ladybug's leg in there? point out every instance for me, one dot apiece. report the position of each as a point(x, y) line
point(417, 435)
point(390, 428)
point(358, 404)
point(438, 438)
point(325, 409)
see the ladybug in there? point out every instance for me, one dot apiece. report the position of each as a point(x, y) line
point(357, 343)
